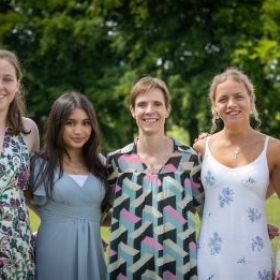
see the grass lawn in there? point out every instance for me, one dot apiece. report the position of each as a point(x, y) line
point(272, 208)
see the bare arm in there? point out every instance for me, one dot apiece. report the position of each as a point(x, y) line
point(199, 145)
point(273, 159)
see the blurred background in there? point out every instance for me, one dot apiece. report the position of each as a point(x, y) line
point(101, 47)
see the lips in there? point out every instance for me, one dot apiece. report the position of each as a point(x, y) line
point(78, 140)
point(150, 120)
point(233, 114)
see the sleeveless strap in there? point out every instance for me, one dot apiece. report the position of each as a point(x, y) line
point(266, 143)
point(207, 145)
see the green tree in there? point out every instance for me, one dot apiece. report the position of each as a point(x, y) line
point(101, 47)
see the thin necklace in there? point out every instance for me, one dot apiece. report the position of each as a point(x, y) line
point(239, 149)
point(75, 168)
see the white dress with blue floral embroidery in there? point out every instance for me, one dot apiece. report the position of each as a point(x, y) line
point(233, 242)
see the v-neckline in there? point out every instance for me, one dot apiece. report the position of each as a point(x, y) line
point(71, 178)
point(145, 166)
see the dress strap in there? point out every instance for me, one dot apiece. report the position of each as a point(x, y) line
point(207, 145)
point(266, 143)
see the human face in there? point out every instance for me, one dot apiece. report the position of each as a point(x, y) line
point(76, 130)
point(232, 102)
point(9, 84)
point(150, 112)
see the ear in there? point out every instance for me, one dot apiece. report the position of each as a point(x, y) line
point(132, 111)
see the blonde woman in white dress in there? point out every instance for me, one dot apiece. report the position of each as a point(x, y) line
point(240, 167)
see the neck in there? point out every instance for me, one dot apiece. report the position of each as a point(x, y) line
point(152, 145)
point(237, 137)
point(74, 157)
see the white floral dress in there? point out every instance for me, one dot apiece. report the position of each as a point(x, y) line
point(233, 242)
point(16, 255)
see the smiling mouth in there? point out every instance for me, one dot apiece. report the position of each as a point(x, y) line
point(150, 120)
point(233, 114)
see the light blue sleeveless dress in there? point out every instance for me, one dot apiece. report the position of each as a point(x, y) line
point(233, 242)
point(68, 245)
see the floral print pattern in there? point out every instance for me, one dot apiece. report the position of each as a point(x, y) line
point(226, 197)
point(215, 244)
point(254, 215)
point(209, 179)
point(257, 243)
point(16, 255)
point(264, 275)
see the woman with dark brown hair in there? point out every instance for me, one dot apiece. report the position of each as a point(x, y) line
point(69, 191)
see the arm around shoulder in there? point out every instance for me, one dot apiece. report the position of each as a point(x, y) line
point(199, 146)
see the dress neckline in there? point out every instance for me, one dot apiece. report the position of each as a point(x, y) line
point(237, 167)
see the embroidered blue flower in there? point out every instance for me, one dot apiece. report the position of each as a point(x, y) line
point(226, 197)
point(264, 275)
point(250, 181)
point(257, 243)
point(215, 244)
point(254, 215)
point(241, 261)
point(209, 179)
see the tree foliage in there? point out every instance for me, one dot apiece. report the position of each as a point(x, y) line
point(102, 47)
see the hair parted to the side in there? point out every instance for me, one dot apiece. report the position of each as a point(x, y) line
point(146, 83)
point(240, 77)
point(53, 145)
point(17, 107)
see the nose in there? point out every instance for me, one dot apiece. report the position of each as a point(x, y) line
point(149, 109)
point(77, 129)
point(231, 102)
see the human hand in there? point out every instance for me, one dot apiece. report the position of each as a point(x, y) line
point(105, 244)
point(201, 136)
point(273, 231)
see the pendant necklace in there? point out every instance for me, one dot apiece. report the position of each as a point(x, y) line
point(238, 150)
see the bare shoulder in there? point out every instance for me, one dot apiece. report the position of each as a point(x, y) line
point(274, 144)
point(32, 139)
point(273, 160)
point(273, 153)
point(29, 124)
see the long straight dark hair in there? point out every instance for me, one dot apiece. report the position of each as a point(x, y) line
point(54, 148)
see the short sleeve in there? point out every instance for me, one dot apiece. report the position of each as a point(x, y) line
point(197, 188)
point(113, 174)
point(36, 182)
